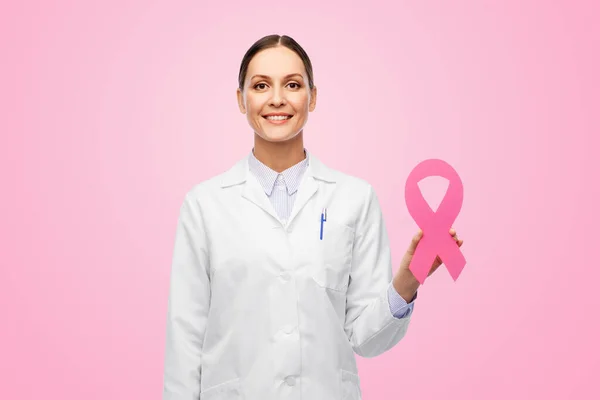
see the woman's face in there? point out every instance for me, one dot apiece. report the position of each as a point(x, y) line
point(276, 98)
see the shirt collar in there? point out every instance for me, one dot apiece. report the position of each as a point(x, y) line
point(267, 177)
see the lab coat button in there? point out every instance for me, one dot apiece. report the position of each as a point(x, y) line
point(285, 276)
point(288, 329)
point(290, 381)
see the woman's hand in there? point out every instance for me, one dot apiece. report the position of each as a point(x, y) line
point(405, 282)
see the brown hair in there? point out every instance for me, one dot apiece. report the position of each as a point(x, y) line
point(274, 41)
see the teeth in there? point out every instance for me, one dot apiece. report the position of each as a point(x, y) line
point(278, 117)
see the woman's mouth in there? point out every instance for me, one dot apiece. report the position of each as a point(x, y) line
point(277, 119)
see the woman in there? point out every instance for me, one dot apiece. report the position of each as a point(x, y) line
point(281, 268)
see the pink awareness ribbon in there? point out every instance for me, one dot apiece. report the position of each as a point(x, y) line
point(436, 239)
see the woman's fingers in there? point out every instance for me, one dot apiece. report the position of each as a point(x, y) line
point(414, 242)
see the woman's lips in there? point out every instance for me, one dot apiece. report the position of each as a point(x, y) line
point(278, 120)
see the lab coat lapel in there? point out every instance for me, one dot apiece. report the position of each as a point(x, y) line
point(308, 187)
point(251, 190)
point(255, 193)
point(315, 172)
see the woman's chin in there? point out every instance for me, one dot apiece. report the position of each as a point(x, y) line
point(274, 137)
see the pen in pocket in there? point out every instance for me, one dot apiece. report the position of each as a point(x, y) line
point(323, 219)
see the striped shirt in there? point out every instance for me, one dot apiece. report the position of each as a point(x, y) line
point(281, 189)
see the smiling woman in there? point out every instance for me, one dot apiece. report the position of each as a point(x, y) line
point(281, 269)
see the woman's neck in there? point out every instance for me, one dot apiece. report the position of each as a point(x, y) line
point(279, 156)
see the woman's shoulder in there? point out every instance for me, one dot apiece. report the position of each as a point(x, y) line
point(227, 177)
point(345, 180)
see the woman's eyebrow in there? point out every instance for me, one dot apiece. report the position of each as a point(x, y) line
point(285, 77)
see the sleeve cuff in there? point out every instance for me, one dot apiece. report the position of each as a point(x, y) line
point(398, 306)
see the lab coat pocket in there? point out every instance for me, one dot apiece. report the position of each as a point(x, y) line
point(230, 390)
point(332, 270)
point(350, 385)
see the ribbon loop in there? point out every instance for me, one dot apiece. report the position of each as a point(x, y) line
point(436, 239)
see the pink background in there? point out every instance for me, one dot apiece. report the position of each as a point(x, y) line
point(112, 110)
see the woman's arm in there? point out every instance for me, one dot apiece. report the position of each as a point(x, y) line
point(188, 306)
point(370, 326)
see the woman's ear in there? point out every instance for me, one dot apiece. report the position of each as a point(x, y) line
point(313, 99)
point(240, 99)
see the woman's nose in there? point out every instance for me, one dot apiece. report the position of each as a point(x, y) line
point(277, 98)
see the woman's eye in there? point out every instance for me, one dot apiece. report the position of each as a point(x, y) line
point(262, 86)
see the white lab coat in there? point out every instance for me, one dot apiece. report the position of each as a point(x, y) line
point(262, 311)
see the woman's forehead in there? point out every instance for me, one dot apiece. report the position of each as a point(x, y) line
point(276, 62)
